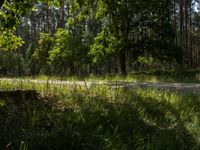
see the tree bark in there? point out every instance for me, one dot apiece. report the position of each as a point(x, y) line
point(122, 58)
point(181, 23)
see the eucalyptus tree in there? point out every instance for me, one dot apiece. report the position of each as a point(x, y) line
point(135, 27)
point(94, 35)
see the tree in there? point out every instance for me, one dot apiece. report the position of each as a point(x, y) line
point(42, 52)
point(66, 51)
point(114, 34)
point(137, 25)
point(8, 41)
point(12, 10)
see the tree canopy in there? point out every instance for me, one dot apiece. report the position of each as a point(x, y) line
point(100, 36)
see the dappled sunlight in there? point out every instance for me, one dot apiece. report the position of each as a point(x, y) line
point(103, 118)
point(99, 75)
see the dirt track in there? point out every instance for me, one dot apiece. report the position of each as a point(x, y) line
point(194, 87)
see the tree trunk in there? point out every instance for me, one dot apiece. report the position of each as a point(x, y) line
point(181, 27)
point(61, 23)
point(122, 57)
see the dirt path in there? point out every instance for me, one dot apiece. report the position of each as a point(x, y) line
point(194, 87)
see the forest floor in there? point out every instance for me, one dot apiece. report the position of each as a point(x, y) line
point(100, 117)
point(99, 114)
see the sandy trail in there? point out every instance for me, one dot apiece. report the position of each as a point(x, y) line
point(194, 87)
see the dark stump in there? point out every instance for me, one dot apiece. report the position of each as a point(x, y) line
point(19, 95)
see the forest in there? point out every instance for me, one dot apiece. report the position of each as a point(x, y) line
point(99, 74)
point(84, 37)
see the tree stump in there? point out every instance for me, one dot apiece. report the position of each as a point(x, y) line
point(19, 95)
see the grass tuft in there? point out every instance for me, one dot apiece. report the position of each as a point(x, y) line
point(99, 117)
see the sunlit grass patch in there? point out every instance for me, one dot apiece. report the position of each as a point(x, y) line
point(148, 76)
point(2, 102)
point(101, 117)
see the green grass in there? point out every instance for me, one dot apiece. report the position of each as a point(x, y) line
point(99, 118)
point(2, 102)
point(167, 76)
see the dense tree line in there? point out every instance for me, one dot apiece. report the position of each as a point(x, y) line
point(82, 37)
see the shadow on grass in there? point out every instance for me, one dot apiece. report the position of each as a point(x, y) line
point(95, 123)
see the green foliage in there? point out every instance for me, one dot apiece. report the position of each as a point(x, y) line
point(105, 44)
point(114, 34)
point(67, 49)
point(12, 10)
point(45, 45)
point(8, 41)
point(41, 54)
point(61, 49)
point(127, 25)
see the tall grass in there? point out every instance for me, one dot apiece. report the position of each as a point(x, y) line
point(159, 76)
point(98, 117)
